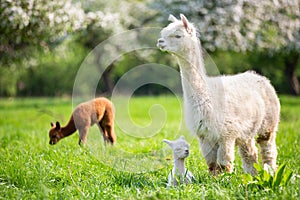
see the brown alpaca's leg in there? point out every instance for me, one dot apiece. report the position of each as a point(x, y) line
point(107, 126)
point(108, 134)
point(83, 135)
point(103, 132)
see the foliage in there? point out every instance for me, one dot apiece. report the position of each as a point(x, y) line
point(241, 25)
point(32, 169)
point(230, 62)
point(8, 82)
point(32, 31)
point(31, 22)
point(29, 30)
point(268, 179)
point(51, 73)
point(268, 27)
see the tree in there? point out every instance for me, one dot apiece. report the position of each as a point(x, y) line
point(29, 26)
point(40, 22)
point(28, 23)
point(120, 20)
point(270, 26)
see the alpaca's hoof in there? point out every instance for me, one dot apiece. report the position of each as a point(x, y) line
point(215, 169)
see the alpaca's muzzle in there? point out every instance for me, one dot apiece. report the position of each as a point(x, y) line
point(160, 43)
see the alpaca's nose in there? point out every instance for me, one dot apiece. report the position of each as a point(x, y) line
point(160, 43)
point(160, 40)
point(52, 142)
point(187, 151)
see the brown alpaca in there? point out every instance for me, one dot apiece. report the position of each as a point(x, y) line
point(99, 110)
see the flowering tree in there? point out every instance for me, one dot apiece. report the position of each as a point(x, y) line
point(271, 26)
point(32, 22)
point(28, 26)
point(128, 14)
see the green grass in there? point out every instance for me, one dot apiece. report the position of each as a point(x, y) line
point(32, 169)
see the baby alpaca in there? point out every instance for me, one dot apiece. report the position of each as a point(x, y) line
point(180, 150)
point(99, 110)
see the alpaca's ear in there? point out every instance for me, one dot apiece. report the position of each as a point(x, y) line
point(182, 137)
point(185, 22)
point(168, 142)
point(57, 126)
point(52, 124)
point(172, 18)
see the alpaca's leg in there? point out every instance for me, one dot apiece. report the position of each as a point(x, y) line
point(209, 152)
point(83, 135)
point(248, 152)
point(268, 149)
point(108, 133)
point(101, 130)
point(107, 126)
point(225, 155)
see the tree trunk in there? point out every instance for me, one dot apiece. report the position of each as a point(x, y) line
point(107, 79)
point(290, 72)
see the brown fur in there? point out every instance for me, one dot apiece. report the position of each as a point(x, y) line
point(99, 110)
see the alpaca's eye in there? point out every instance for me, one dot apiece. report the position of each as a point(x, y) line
point(177, 36)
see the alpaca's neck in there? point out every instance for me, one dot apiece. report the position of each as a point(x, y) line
point(179, 166)
point(197, 101)
point(69, 129)
point(192, 71)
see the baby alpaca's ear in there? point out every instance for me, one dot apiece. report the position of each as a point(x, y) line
point(57, 126)
point(168, 142)
point(182, 137)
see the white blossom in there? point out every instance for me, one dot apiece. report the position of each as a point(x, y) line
point(48, 19)
point(241, 25)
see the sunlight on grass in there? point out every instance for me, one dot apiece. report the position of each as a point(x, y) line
point(32, 169)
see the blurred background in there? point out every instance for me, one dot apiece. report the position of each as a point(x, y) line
point(43, 43)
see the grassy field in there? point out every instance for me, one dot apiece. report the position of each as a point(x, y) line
point(137, 167)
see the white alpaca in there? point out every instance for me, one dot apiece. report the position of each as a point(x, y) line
point(179, 173)
point(223, 111)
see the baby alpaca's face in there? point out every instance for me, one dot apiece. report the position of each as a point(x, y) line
point(181, 149)
point(54, 133)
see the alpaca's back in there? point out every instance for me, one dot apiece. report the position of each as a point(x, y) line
point(246, 103)
point(92, 111)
